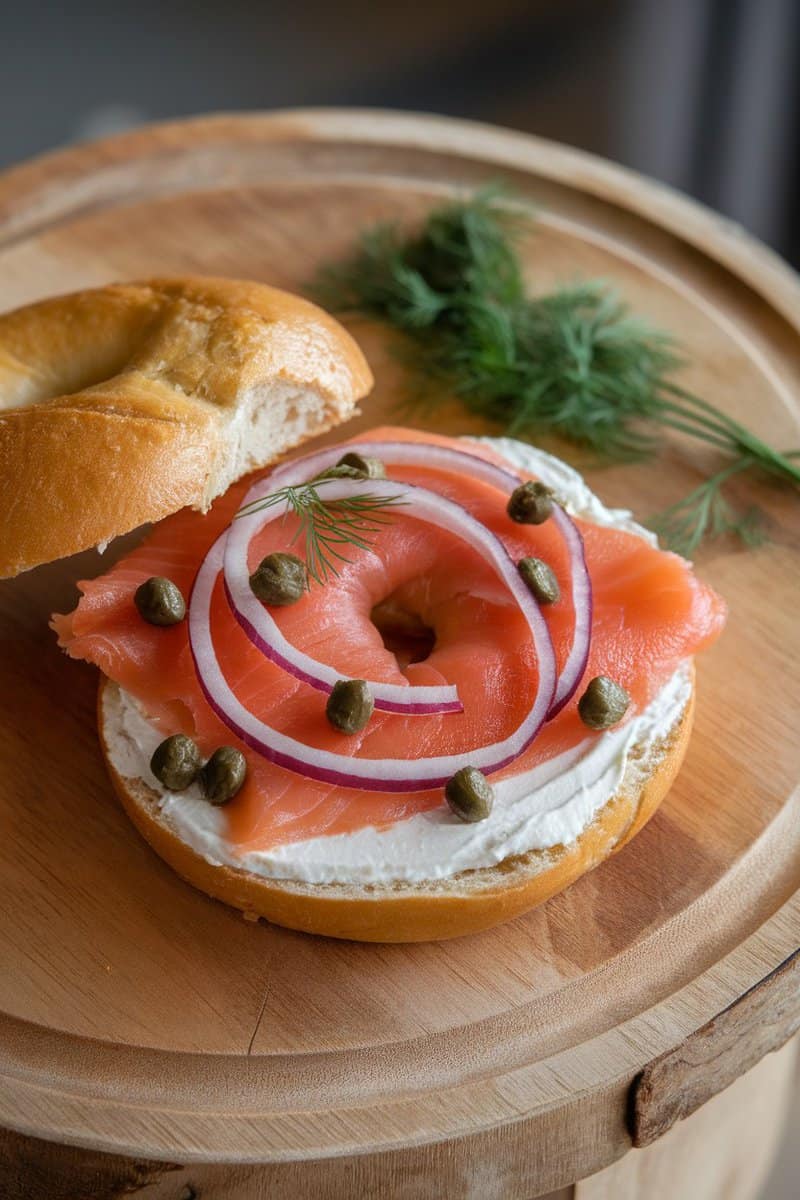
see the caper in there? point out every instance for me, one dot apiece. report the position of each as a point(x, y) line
point(370, 468)
point(279, 579)
point(469, 794)
point(540, 580)
point(223, 774)
point(531, 503)
point(354, 466)
point(350, 705)
point(176, 762)
point(159, 601)
point(604, 703)
point(338, 472)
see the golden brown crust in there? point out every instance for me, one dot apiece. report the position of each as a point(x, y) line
point(125, 403)
point(466, 903)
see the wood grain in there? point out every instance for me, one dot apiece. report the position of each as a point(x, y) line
point(723, 1152)
point(141, 1019)
point(30, 1167)
point(680, 1081)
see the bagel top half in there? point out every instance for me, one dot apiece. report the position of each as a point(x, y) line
point(125, 403)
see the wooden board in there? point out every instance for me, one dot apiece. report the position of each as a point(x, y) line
point(139, 1017)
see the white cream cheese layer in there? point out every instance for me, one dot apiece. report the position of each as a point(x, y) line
point(547, 806)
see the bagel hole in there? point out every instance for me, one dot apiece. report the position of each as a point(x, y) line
point(404, 633)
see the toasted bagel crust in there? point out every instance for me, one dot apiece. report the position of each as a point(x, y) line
point(465, 903)
point(122, 404)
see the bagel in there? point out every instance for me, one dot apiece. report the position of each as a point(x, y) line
point(125, 403)
point(464, 903)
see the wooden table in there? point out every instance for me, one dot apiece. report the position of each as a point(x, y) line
point(150, 1038)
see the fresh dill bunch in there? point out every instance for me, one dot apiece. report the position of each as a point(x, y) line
point(328, 527)
point(573, 362)
point(421, 281)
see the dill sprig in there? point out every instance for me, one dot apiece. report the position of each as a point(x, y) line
point(573, 362)
point(326, 526)
point(706, 512)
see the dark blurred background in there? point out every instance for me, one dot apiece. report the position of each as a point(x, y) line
point(703, 94)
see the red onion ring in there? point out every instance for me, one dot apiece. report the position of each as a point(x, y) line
point(263, 631)
point(391, 775)
point(573, 670)
point(416, 454)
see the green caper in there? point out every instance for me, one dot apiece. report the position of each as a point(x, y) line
point(531, 503)
point(370, 468)
point(338, 472)
point(354, 466)
point(159, 601)
point(350, 705)
point(223, 774)
point(604, 703)
point(279, 579)
point(540, 580)
point(469, 794)
point(176, 762)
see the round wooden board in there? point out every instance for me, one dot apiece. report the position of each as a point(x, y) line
point(140, 1017)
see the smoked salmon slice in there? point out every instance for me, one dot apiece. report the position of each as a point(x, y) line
point(651, 613)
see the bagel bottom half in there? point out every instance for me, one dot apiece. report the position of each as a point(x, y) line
point(464, 903)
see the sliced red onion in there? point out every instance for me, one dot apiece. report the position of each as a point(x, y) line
point(573, 670)
point(388, 774)
point(264, 632)
point(409, 699)
point(419, 454)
